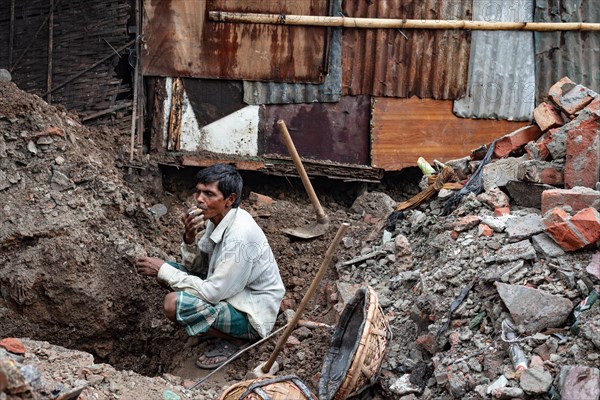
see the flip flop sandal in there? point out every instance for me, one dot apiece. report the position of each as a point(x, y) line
point(222, 349)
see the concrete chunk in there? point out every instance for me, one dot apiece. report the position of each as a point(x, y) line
point(546, 247)
point(534, 310)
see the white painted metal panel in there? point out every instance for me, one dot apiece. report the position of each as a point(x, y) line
point(236, 133)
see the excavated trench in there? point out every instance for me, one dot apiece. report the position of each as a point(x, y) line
point(76, 213)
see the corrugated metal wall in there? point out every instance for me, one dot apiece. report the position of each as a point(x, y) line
point(424, 63)
point(573, 54)
point(329, 91)
point(501, 66)
point(180, 41)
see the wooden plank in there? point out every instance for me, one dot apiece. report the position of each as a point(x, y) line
point(405, 129)
point(180, 41)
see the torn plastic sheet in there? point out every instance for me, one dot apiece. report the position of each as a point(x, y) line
point(474, 184)
point(517, 356)
point(586, 304)
point(457, 302)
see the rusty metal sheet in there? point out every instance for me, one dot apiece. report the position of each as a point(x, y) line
point(336, 132)
point(180, 41)
point(212, 99)
point(389, 62)
point(573, 54)
point(284, 93)
point(405, 129)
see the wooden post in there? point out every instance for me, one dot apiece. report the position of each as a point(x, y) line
point(307, 296)
point(135, 84)
point(387, 23)
point(50, 45)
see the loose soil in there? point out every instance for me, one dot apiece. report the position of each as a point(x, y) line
point(76, 214)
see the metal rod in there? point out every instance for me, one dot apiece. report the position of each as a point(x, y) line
point(77, 75)
point(370, 23)
point(50, 46)
point(239, 353)
point(307, 296)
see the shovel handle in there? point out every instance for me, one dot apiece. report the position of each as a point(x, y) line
point(307, 296)
point(321, 216)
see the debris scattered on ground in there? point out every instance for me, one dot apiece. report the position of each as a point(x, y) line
point(524, 250)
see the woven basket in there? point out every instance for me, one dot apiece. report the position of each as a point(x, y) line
point(269, 388)
point(357, 348)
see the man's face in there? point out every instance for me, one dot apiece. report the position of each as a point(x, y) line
point(211, 201)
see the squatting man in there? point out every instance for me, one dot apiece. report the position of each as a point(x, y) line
point(229, 285)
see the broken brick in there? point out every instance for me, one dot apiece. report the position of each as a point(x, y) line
point(494, 198)
point(576, 198)
point(541, 172)
point(466, 223)
point(260, 199)
point(485, 230)
point(513, 141)
point(427, 343)
point(587, 222)
point(569, 96)
point(582, 162)
point(537, 150)
point(573, 233)
point(13, 345)
point(500, 211)
point(547, 117)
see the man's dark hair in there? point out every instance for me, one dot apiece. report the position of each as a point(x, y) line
point(230, 180)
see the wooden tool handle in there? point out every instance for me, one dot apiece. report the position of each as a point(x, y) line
point(321, 216)
point(307, 296)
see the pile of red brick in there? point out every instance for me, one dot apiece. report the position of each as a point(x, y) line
point(560, 165)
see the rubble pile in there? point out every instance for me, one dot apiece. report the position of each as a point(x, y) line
point(44, 371)
point(492, 297)
point(495, 299)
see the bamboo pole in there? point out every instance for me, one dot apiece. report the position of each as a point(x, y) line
point(370, 23)
point(11, 35)
point(50, 46)
point(135, 85)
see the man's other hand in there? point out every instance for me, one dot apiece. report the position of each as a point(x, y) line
point(148, 266)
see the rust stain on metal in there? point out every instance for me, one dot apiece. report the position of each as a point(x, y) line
point(394, 63)
point(323, 131)
point(406, 129)
point(180, 41)
point(174, 132)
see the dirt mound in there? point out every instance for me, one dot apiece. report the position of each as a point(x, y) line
point(70, 226)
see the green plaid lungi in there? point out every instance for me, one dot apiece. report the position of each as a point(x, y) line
point(197, 315)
